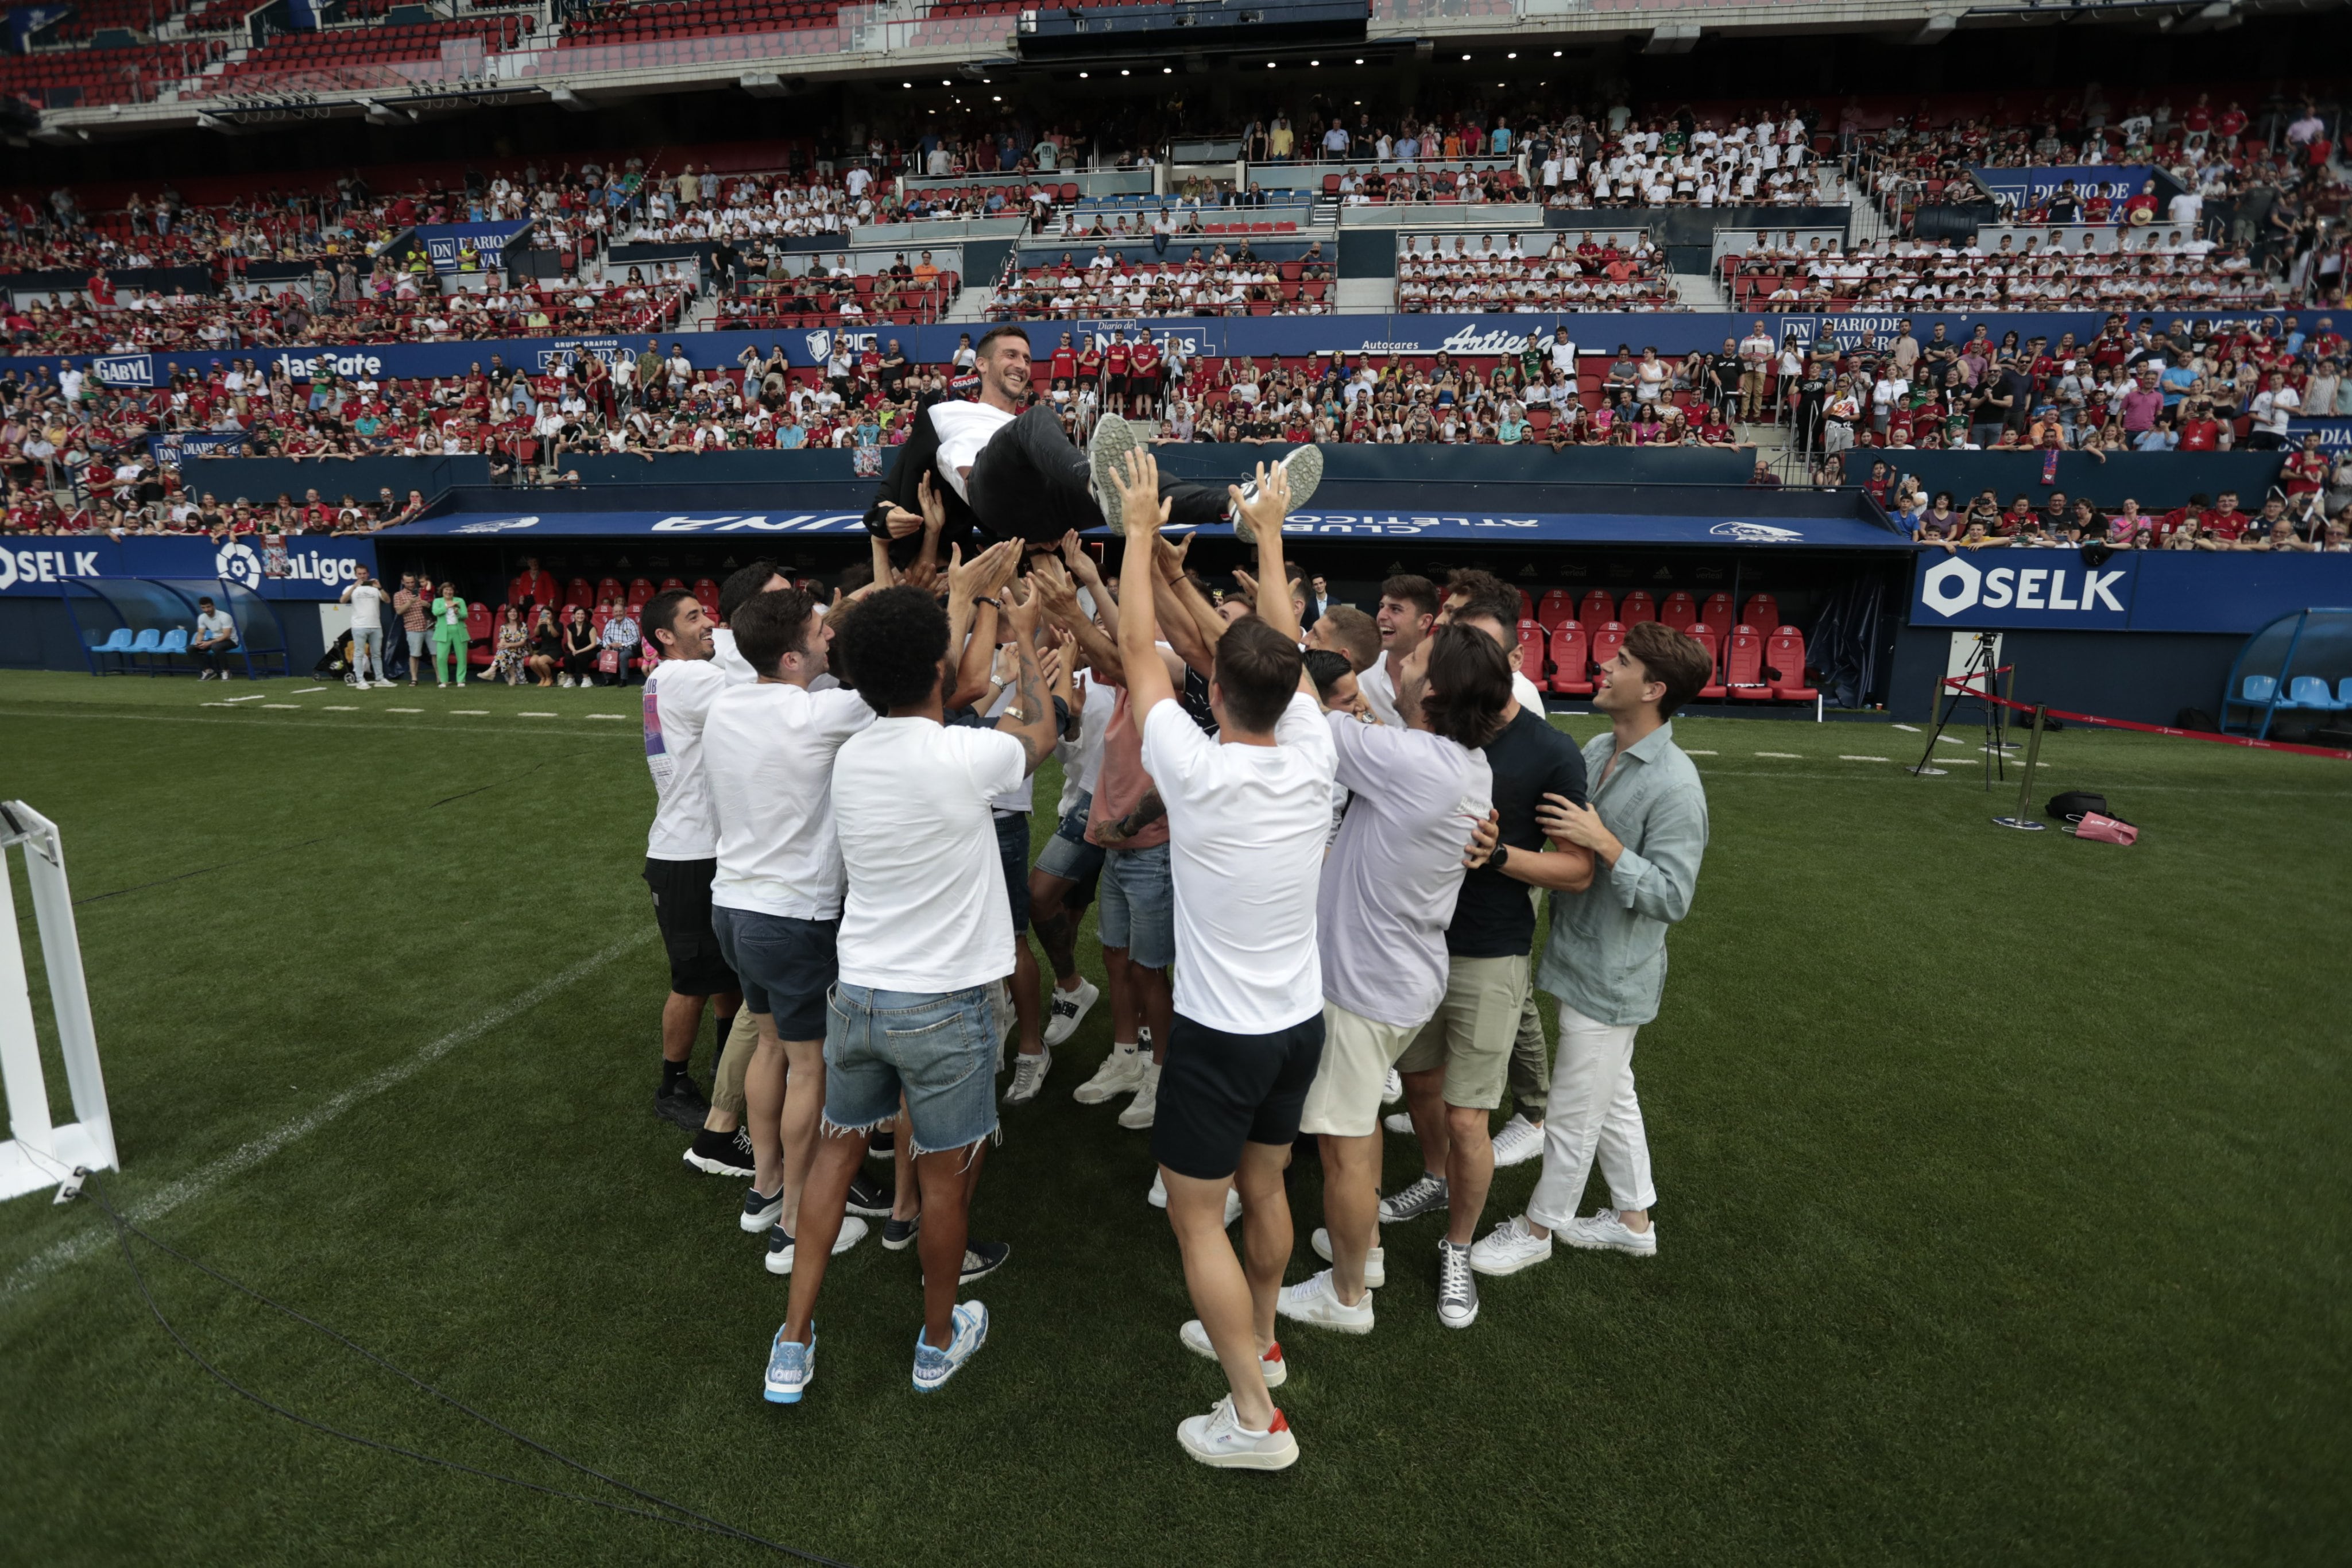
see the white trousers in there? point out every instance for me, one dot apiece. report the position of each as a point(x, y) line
point(1592, 1112)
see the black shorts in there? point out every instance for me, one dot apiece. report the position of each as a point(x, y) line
point(682, 910)
point(1220, 1090)
point(1013, 850)
point(786, 966)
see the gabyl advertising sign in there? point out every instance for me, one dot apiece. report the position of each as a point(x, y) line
point(2134, 591)
point(300, 568)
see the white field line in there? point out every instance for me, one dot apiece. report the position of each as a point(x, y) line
point(237, 1162)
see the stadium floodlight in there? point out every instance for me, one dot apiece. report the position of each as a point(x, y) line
point(38, 1155)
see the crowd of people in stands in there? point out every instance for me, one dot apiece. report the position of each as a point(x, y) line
point(1528, 273)
point(2315, 516)
point(1218, 281)
point(2169, 268)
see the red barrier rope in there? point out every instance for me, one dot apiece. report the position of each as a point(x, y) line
point(2246, 740)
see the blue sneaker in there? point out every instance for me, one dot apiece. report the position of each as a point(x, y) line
point(790, 1367)
point(934, 1367)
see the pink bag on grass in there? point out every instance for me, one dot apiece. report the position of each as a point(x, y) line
point(2106, 830)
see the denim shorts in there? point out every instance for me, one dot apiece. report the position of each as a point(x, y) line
point(1137, 907)
point(938, 1049)
point(1013, 849)
point(1068, 855)
point(785, 966)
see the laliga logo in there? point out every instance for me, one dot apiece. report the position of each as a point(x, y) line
point(1755, 533)
point(238, 564)
point(500, 525)
point(820, 345)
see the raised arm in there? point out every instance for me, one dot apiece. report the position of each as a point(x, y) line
point(1265, 516)
point(1144, 513)
point(1030, 718)
point(1062, 607)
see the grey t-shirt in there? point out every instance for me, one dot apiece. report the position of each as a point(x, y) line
point(1389, 886)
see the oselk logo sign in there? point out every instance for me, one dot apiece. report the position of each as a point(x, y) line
point(2033, 588)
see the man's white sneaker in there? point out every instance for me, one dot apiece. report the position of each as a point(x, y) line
point(1392, 1088)
point(1509, 1248)
point(1376, 1260)
point(1120, 1073)
point(1457, 1291)
point(1602, 1230)
point(1519, 1142)
point(1070, 1011)
point(780, 1248)
point(1317, 1301)
point(1029, 1076)
point(933, 1366)
point(1140, 1110)
point(1219, 1438)
point(1195, 1339)
point(1305, 468)
point(1398, 1122)
point(1113, 439)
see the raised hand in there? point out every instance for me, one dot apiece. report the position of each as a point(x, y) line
point(1022, 605)
point(1141, 509)
point(1271, 504)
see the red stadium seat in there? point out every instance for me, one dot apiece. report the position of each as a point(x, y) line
point(1679, 610)
point(639, 592)
point(1597, 607)
point(1526, 606)
point(1743, 665)
point(1638, 606)
point(1784, 664)
point(1606, 642)
point(1709, 639)
point(1762, 611)
point(608, 587)
point(1717, 611)
point(1568, 660)
point(705, 593)
point(1532, 642)
point(673, 585)
point(1555, 607)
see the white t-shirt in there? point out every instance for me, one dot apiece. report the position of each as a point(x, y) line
point(1396, 868)
point(1021, 797)
point(1380, 692)
point(367, 604)
point(1245, 826)
point(677, 698)
point(925, 910)
point(1521, 687)
point(768, 750)
point(1082, 759)
point(730, 663)
point(963, 429)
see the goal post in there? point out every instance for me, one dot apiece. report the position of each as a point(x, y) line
point(38, 1153)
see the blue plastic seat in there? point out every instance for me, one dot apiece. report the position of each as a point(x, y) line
point(2344, 693)
point(119, 643)
point(2310, 692)
point(175, 641)
point(2259, 688)
point(151, 641)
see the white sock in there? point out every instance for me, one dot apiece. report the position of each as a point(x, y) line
point(1125, 1047)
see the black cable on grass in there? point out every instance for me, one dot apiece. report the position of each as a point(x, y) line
point(204, 871)
point(701, 1524)
point(499, 783)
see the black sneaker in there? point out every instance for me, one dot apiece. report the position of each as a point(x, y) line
point(982, 1259)
point(868, 1199)
point(682, 1102)
point(898, 1235)
point(880, 1145)
point(721, 1153)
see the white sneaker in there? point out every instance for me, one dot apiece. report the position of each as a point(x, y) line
point(1070, 1011)
point(1113, 439)
point(1520, 1141)
point(563, 681)
point(1140, 1110)
point(1029, 1076)
point(1376, 1260)
point(1306, 469)
point(1219, 1438)
point(384, 685)
point(780, 1248)
point(1509, 1248)
point(1120, 1073)
point(1398, 1122)
point(933, 1367)
point(1392, 1088)
point(1317, 1301)
point(1602, 1229)
point(1196, 1339)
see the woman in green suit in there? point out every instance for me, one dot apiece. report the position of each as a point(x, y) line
point(449, 634)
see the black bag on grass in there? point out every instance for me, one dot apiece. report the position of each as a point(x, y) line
point(2073, 805)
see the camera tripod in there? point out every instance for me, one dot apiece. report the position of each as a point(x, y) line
point(1979, 668)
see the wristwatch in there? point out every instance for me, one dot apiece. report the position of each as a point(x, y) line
point(1502, 853)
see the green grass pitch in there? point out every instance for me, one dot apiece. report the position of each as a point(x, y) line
point(2005, 1204)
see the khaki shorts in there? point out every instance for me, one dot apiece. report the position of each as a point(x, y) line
point(1471, 1036)
point(1344, 1101)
